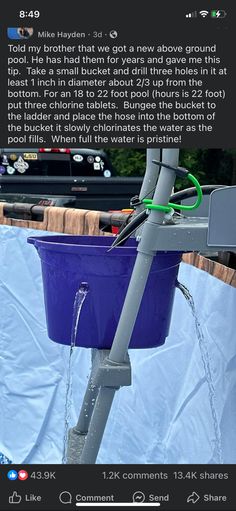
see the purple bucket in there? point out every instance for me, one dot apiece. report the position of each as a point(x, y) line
point(68, 261)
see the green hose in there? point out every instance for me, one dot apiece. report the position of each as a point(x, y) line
point(149, 205)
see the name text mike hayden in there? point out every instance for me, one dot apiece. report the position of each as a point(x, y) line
point(45, 34)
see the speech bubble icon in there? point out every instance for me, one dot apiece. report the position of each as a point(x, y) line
point(65, 497)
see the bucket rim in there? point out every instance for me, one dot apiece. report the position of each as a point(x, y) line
point(99, 246)
point(73, 243)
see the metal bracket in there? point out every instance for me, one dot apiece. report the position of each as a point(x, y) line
point(185, 235)
point(222, 225)
point(107, 373)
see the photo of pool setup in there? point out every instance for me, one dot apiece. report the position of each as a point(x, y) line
point(118, 328)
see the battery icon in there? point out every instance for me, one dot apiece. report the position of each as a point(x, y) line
point(218, 14)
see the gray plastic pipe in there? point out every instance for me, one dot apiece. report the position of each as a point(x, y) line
point(143, 262)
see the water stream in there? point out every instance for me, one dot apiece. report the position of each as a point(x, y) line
point(208, 372)
point(77, 308)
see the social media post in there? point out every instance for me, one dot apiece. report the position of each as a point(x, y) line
point(117, 194)
point(166, 80)
point(148, 443)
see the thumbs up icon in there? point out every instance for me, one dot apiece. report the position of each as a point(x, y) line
point(15, 498)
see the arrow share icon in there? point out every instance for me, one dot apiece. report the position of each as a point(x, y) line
point(194, 497)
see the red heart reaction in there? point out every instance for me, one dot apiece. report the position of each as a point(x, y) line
point(23, 475)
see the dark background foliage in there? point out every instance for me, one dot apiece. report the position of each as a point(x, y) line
point(210, 166)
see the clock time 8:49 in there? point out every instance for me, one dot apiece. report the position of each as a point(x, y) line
point(29, 14)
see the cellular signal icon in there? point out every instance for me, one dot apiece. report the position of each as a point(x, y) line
point(191, 15)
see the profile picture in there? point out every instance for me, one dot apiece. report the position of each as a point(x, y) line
point(20, 32)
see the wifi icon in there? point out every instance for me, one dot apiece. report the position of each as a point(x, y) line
point(204, 13)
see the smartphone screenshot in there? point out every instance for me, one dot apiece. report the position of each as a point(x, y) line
point(118, 255)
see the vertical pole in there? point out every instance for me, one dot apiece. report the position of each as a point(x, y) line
point(87, 407)
point(143, 262)
point(97, 425)
point(150, 177)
